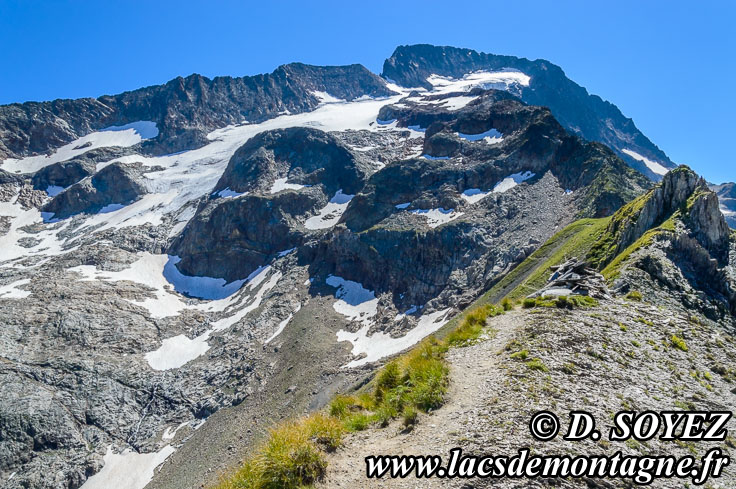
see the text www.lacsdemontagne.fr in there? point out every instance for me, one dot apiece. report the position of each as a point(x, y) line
point(640, 469)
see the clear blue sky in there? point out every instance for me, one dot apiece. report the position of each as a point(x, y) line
point(669, 65)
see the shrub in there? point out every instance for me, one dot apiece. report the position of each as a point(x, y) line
point(506, 304)
point(537, 364)
point(341, 406)
point(678, 343)
point(520, 355)
point(634, 295)
point(325, 431)
point(389, 377)
point(472, 325)
point(289, 459)
point(529, 303)
point(384, 414)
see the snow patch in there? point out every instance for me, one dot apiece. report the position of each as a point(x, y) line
point(127, 470)
point(330, 214)
point(381, 345)
point(491, 136)
point(500, 80)
point(54, 190)
point(512, 181)
point(179, 350)
point(353, 300)
point(282, 325)
point(430, 157)
point(227, 193)
point(326, 98)
point(123, 136)
point(110, 208)
point(280, 184)
point(437, 217)
point(148, 270)
point(457, 103)
point(169, 434)
point(473, 195)
point(655, 167)
point(208, 288)
point(403, 206)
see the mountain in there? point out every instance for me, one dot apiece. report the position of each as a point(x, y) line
point(536, 82)
point(727, 195)
point(184, 265)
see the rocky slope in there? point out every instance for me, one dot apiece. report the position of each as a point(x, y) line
point(311, 223)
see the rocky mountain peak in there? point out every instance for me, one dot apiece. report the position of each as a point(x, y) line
point(544, 84)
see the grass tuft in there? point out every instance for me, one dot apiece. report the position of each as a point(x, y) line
point(634, 295)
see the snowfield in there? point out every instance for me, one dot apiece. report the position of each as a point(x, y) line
point(123, 136)
point(491, 136)
point(500, 80)
point(353, 301)
point(512, 181)
point(652, 165)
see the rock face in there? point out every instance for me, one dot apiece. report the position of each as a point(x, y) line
point(681, 192)
point(579, 112)
point(117, 184)
point(66, 173)
point(677, 234)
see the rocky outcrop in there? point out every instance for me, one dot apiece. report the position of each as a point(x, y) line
point(682, 195)
point(231, 237)
point(579, 112)
point(677, 235)
point(303, 155)
point(116, 184)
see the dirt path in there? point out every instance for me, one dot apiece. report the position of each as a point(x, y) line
point(475, 378)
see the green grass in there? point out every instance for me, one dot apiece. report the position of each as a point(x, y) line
point(537, 364)
point(292, 456)
point(561, 302)
point(574, 240)
point(472, 325)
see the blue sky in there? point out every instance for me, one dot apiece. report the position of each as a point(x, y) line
point(669, 65)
